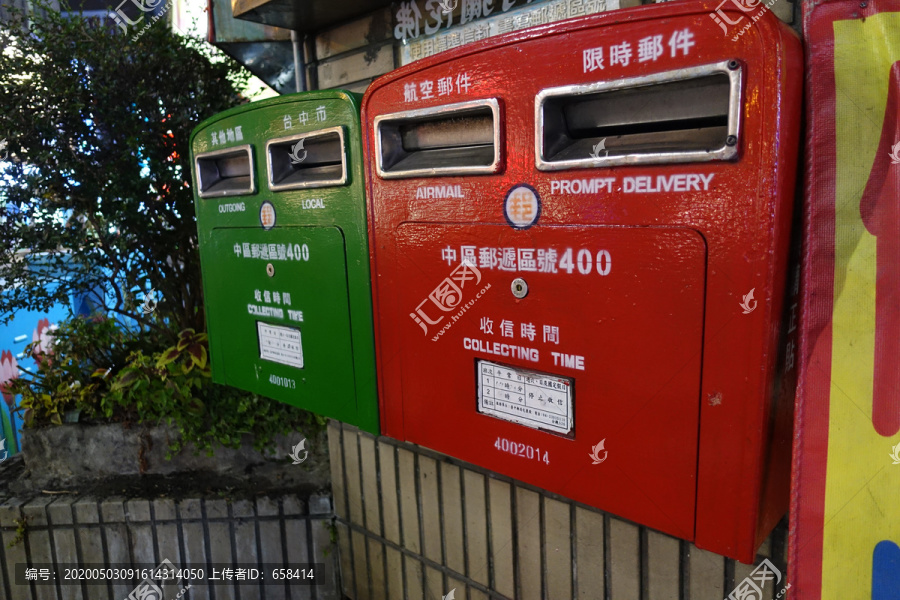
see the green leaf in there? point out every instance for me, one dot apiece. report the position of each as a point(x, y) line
point(198, 355)
point(126, 378)
point(185, 338)
point(170, 355)
point(195, 406)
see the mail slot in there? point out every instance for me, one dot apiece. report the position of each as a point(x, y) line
point(580, 235)
point(280, 202)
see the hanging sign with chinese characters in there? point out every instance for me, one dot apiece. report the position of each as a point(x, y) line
point(426, 17)
point(413, 22)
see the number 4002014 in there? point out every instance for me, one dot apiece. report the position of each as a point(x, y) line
point(523, 450)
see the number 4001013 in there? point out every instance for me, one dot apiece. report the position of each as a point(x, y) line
point(523, 450)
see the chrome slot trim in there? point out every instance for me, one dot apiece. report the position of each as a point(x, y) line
point(211, 184)
point(726, 151)
point(321, 171)
point(389, 140)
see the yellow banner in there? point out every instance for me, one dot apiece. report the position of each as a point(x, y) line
point(862, 492)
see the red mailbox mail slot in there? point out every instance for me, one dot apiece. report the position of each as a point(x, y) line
point(580, 238)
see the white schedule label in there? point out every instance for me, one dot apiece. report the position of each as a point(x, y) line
point(280, 344)
point(526, 397)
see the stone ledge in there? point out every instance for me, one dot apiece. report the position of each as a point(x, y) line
point(80, 457)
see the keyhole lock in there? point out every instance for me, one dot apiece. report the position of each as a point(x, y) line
point(519, 288)
point(270, 270)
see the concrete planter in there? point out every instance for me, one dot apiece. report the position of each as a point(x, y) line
point(76, 455)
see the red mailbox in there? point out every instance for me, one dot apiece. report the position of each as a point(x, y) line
point(580, 236)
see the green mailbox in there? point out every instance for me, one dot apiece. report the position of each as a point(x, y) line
point(281, 215)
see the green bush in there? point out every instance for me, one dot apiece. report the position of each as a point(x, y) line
point(62, 383)
point(94, 375)
point(96, 194)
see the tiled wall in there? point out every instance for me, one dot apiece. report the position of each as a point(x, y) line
point(191, 533)
point(415, 524)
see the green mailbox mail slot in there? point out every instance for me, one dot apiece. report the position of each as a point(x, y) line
point(281, 215)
